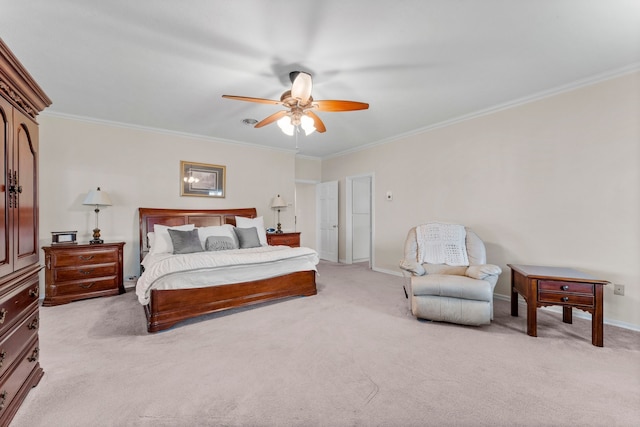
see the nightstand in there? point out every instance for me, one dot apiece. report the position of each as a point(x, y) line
point(74, 272)
point(284, 239)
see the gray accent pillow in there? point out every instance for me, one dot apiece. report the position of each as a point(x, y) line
point(219, 243)
point(248, 237)
point(185, 242)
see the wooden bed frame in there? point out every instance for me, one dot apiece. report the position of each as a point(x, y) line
point(168, 307)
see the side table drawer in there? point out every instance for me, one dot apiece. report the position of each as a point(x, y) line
point(573, 287)
point(83, 257)
point(559, 298)
point(85, 287)
point(84, 272)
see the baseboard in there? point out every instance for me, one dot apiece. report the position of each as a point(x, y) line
point(576, 313)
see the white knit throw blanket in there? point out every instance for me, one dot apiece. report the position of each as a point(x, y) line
point(440, 243)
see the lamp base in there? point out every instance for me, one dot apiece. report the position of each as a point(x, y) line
point(96, 237)
point(279, 230)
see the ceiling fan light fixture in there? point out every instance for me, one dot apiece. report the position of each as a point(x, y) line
point(286, 126)
point(307, 124)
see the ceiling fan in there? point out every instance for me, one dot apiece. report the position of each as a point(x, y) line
point(300, 106)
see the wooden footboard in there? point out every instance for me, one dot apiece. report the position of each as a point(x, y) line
point(168, 307)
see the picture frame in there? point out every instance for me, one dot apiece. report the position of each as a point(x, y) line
point(202, 180)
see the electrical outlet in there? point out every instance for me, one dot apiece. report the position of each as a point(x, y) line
point(132, 278)
point(618, 289)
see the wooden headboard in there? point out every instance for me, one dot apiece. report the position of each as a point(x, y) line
point(172, 217)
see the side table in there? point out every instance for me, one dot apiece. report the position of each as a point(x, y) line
point(569, 288)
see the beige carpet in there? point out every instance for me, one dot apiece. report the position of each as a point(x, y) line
point(350, 356)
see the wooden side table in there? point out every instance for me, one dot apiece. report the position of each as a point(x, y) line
point(74, 272)
point(569, 288)
point(284, 239)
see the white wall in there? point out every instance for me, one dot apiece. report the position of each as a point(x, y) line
point(552, 182)
point(141, 168)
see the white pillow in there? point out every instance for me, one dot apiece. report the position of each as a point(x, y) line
point(217, 231)
point(162, 243)
point(258, 223)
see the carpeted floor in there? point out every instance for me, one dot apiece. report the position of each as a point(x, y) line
point(350, 356)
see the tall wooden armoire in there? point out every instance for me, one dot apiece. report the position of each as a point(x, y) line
point(21, 99)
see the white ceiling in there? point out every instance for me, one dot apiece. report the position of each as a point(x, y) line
point(418, 63)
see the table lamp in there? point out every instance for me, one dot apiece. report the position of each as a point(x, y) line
point(278, 203)
point(97, 198)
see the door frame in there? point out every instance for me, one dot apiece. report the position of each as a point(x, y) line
point(349, 218)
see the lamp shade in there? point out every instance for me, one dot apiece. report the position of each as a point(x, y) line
point(97, 198)
point(278, 202)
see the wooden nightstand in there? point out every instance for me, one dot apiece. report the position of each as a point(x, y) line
point(284, 239)
point(74, 272)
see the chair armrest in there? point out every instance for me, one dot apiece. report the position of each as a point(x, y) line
point(413, 267)
point(483, 271)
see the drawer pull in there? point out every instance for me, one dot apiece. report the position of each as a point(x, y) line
point(85, 257)
point(565, 299)
point(3, 355)
point(564, 287)
point(33, 324)
point(34, 355)
point(3, 399)
point(87, 285)
point(3, 315)
point(85, 272)
point(34, 292)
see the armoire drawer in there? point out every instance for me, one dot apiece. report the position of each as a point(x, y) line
point(15, 303)
point(15, 341)
point(14, 378)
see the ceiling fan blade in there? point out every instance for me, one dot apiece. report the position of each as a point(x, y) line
point(272, 118)
point(317, 123)
point(334, 105)
point(258, 100)
point(301, 87)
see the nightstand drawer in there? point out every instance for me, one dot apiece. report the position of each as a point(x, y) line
point(85, 257)
point(558, 286)
point(284, 239)
point(84, 272)
point(86, 287)
point(566, 298)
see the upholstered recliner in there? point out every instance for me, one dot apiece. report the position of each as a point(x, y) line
point(461, 293)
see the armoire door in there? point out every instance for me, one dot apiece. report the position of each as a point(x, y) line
point(6, 121)
point(25, 182)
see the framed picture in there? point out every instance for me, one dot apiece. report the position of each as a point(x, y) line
point(200, 179)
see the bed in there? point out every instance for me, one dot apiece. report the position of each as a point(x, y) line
point(166, 307)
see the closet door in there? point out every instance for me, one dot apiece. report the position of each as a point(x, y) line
point(25, 180)
point(6, 119)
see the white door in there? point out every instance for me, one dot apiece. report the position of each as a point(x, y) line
point(327, 193)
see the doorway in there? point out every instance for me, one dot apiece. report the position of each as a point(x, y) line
point(359, 215)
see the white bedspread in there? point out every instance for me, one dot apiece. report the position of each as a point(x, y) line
point(202, 269)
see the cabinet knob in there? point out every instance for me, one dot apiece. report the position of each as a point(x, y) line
point(33, 324)
point(565, 299)
point(3, 315)
point(85, 257)
point(564, 287)
point(34, 292)
point(3, 355)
